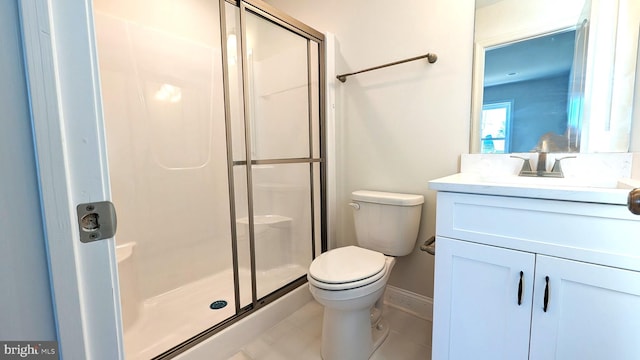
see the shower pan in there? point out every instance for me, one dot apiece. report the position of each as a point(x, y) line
point(214, 118)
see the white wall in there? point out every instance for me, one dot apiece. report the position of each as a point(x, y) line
point(635, 121)
point(399, 127)
point(26, 311)
point(520, 19)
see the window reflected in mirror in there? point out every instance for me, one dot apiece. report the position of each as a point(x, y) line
point(495, 125)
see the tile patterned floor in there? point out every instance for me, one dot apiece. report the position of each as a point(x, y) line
point(298, 338)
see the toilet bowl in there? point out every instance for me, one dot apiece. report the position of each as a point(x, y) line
point(348, 281)
point(347, 303)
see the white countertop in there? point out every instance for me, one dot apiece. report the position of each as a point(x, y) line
point(555, 189)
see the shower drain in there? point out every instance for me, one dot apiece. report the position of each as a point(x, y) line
point(218, 304)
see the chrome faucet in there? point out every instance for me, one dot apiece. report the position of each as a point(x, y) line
point(541, 167)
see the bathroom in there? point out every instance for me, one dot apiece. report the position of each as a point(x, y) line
point(374, 113)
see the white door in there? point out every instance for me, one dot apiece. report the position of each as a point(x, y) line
point(64, 94)
point(476, 310)
point(592, 312)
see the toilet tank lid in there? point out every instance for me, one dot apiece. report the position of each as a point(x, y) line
point(387, 198)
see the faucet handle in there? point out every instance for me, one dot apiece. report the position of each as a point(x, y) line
point(557, 168)
point(526, 165)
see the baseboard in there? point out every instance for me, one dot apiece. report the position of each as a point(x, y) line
point(415, 304)
point(229, 341)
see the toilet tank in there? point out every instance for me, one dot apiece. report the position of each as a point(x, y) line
point(387, 222)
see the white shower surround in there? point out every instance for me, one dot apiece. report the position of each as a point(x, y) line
point(167, 319)
point(167, 157)
point(165, 193)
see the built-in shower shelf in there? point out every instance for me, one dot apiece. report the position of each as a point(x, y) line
point(273, 220)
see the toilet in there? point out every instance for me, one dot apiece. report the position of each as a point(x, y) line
point(349, 281)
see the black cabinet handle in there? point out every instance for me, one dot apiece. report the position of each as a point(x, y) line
point(520, 289)
point(546, 294)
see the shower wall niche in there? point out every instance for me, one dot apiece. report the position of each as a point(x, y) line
point(213, 119)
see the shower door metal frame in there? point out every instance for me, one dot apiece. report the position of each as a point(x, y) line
point(273, 15)
point(256, 8)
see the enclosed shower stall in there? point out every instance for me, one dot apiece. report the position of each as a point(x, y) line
point(214, 120)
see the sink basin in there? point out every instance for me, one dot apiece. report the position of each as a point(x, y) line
point(600, 190)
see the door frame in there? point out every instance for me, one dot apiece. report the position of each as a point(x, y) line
point(69, 141)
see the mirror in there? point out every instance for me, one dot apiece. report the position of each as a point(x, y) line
point(554, 76)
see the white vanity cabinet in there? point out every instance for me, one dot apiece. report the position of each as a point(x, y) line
point(476, 310)
point(497, 256)
point(593, 311)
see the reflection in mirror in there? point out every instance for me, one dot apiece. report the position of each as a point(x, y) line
point(526, 95)
point(536, 84)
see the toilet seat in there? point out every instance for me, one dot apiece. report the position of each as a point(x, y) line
point(346, 268)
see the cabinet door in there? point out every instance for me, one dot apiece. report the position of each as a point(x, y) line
point(476, 311)
point(593, 312)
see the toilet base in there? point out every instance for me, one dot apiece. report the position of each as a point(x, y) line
point(379, 334)
point(342, 340)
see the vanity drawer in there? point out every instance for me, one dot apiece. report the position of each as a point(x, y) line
point(597, 233)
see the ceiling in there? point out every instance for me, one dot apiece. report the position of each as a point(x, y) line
point(534, 58)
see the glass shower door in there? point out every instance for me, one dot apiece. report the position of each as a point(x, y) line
point(282, 149)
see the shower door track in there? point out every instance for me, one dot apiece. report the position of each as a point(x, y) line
point(244, 312)
point(278, 161)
